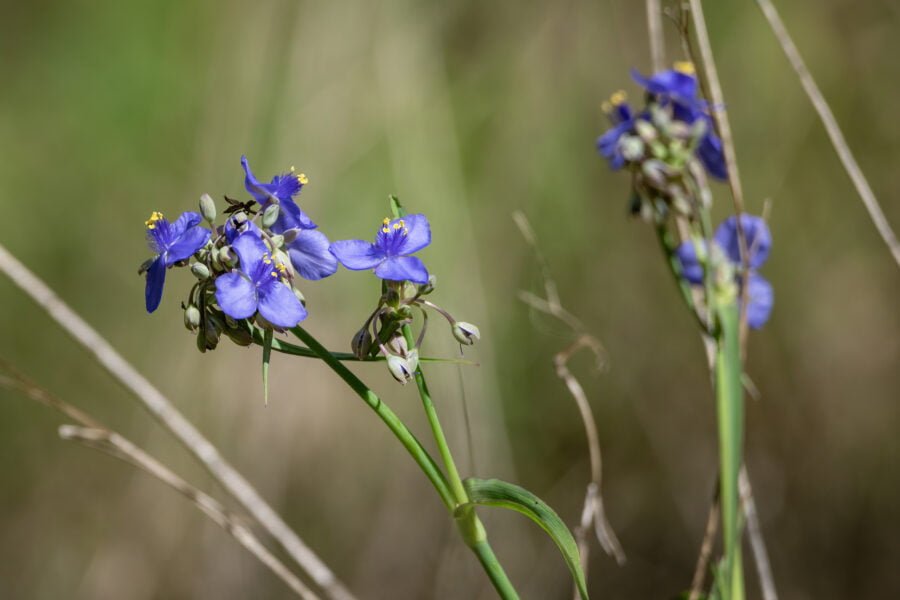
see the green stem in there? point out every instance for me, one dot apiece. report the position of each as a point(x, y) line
point(409, 441)
point(467, 521)
point(684, 286)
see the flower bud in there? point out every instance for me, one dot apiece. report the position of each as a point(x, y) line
point(412, 360)
point(399, 368)
point(466, 333)
point(361, 344)
point(191, 317)
point(270, 215)
point(200, 271)
point(632, 148)
point(207, 208)
point(239, 336)
point(290, 235)
point(227, 257)
point(239, 218)
point(397, 344)
point(276, 241)
point(647, 131)
point(426, 289)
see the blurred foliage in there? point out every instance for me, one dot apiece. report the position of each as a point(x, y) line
point(467, 111)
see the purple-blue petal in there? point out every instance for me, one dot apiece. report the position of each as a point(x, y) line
point(250, 250)
point(156, 280)
point(311, 256)
point(417, 236)
point(236, 295)
point(279, 306)
point(260, 191)
point(691, 269)
point(189, 242)
point(403, 268)
point(186, 221)
point(711, 153)
point(291, 216)
point(670, 82)
point(761, 298)
point(608, 144)
point(357, 255)
point(757, 234)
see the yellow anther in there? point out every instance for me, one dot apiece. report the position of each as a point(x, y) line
point(274, 274)
point(151, 222)
point(303, 179)
point(606, 107)
point(618, 98)
point(267, 259)
point(685, 67)
point(397, 225)
point(386, 220)
point(385, 230)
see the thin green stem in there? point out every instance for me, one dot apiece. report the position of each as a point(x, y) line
point(409, 441)
point(668, 248)
point(494, 570)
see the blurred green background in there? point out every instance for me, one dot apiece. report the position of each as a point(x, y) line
point(468, 111)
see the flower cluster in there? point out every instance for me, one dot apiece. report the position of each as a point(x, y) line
point(723, 261)
point(668, 145)
point(248, 267)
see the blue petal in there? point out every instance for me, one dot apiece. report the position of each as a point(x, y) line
point(680, 86)
point(310, 255)
point(691, 269)
point(357, 255)
point(191, 241)
point(608, 144)
point(156, 279)
point(761, 299)
point(183, 223)
point(279, 306)
point(712, 154)
point(292, 217)
point(236, 295)
point(250, 250)
point(285, 186)
point(260, 191)
point(417, 236)
point(756, 231)
point(403, 268)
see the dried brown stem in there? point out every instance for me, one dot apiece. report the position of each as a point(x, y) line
point(95, 435)
point(706, 547)
point(757, 543)
point(831, 127)
point(164, 411)
point(655, 33)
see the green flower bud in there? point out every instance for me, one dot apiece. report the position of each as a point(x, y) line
point(276, 241)
point(239, 218)
point(632, 148)
point(227, 257)
point(299, 296)
point(239, 336)
point(399, 368)
point(647, 131)
point(412, 360)
point(426, 289)
point(200, 271)
point(290, 235)
point(191, 317)
point(466, 333)
point(270, 215)
point(361, 344)
point(207, 208)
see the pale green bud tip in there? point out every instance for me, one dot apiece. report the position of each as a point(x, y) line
point(290, 235)
point(270, 215)
point(191, 317)
point(299, 296)
point(466, 333)
point(399, 368)
point(227, 257)
point(200, 271)
point(208, 208)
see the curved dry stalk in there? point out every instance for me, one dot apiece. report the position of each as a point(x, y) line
point(169, 416)
point(757, 543)
point(831, 127)
point(92, 433)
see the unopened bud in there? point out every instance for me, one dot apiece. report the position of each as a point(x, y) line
point(299, 295)
point(200, 271)
point(270, 215)
point(399, 368)
point(207, 208)
point(227, 257)
point(276, 241)
point(426, 289)
point(466, 333)
point(412, 360)
point(239, 219)
point(632, 148)
point(290, 235)
point(644, 129)
point(191, 317)
point(361, 344)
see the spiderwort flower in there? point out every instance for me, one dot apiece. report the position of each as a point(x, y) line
point(622, 118)
point(761, 297)
point(172, 242)
point(390, 256)
point(308, 249)
point(260, 284)
point(678, 88)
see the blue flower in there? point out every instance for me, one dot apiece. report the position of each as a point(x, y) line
point(260, 284)
point(759, 242)
point(678, 88)
point(622, 118)
point(390, 254)
point(172, 242)
point(309, 248)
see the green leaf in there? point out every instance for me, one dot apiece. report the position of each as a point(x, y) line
point(396, 208)
point(493, 492)
point(730, 409)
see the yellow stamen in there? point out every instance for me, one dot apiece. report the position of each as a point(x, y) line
point(151, 222)
point(303, 179)
point(385, 230)
point(685, 67)
point(618, 98)
point(397, 225)
point(606, 107)
point(386, 220)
